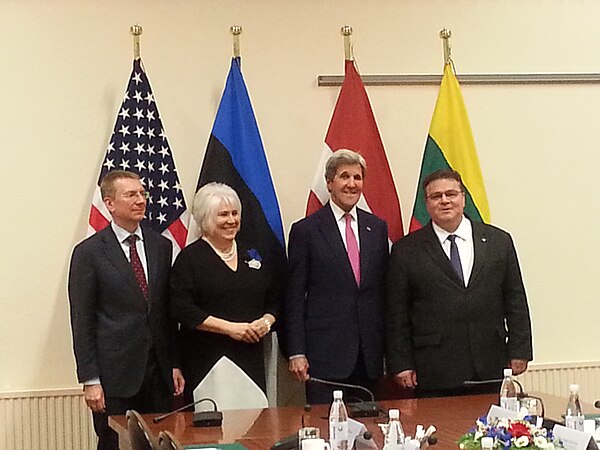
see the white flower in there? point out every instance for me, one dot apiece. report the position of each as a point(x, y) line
point(254, 264)
point(540, 441)
point(522, 441)
point(478, 434)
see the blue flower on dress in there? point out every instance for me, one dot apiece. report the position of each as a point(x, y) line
point(255, 259)
point(253, 254)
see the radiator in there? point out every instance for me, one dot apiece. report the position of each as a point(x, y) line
point(555, 379)
point(55, 419)
point(58, 419)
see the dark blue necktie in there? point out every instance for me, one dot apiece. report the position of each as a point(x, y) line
point(455, 258)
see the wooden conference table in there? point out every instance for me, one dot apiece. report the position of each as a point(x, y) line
point(258, 429)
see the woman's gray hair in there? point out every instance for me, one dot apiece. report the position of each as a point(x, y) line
point(208, 200)
point(342, 157)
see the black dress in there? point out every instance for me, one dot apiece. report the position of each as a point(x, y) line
point(203, 285)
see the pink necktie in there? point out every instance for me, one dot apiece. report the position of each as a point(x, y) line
point(352, 249)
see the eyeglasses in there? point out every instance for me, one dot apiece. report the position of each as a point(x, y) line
point(450, 195)
point(130, 195)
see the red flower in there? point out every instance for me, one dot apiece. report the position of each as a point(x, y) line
point(519, 429)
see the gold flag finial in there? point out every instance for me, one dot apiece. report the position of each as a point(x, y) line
point(445, 35)
point(236, 30)
point(346, 31)
point(136, 30)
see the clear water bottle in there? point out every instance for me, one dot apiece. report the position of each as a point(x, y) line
point(394, 437)
point(574, 415)
point(508, 392)
point(338, 423)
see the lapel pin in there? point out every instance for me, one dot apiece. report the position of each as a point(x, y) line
point(483, 239)
point(368, 228)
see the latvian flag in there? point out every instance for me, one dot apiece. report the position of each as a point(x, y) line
point(353, 126)
point(139, 144)
point(450, 145)
point(235, 156)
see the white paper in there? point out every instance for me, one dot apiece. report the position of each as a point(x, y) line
point(356, 430)
point(502, 413)
point(574, 439)
point(230, 387)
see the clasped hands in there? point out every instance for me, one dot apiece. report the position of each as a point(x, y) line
point(249, 332)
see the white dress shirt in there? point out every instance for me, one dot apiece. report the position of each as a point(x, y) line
point(340, 220)
point(464, 242)
point(123, 236)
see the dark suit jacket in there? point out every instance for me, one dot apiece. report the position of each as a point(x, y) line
point(445, 331)
point(328, 317)
point(113, 326)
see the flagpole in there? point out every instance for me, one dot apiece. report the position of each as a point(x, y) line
point(136, 30)
point(346, 31)
point(445, 35)
point(236, 30)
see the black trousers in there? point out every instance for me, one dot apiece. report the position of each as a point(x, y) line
point(317, 393)
point(153, 397)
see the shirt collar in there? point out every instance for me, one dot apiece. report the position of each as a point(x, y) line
point(339, 213)
point(122, 234)
point(464, 230)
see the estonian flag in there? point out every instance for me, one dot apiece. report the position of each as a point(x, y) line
point(235, 156)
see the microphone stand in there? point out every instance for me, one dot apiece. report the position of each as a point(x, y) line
point(201, 419)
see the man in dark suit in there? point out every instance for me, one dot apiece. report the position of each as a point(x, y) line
point(337, 260)
point(121, 327)
point(456, 308)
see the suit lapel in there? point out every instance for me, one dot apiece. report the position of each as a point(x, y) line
point(480, 250)
point(366, 236)
point(331, 235)
point(152, 259)
point(437, 254)
point(115, 255)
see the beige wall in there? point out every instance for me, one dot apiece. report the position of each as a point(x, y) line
point(64, 67)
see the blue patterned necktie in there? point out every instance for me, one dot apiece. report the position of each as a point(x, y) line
point(455, 258)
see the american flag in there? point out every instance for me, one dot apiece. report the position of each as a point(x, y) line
point(139, 144)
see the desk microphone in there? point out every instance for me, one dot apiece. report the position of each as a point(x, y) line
point(201, 419)
point(520, 395)
point(292, 441)
point(357, 409)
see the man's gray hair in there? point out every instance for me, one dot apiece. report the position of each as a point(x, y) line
point(342, 157)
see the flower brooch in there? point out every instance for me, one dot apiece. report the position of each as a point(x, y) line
point(254, 261)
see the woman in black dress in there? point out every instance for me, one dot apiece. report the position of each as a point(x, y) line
point(223, 293)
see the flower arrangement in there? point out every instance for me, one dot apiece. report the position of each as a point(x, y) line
point(508, 434)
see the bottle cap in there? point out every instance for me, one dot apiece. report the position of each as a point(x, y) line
point(338, 395)
point(508, 372)
point(574, 388)
point(394, 413)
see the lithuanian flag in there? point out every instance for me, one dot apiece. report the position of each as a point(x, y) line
point(450, 145)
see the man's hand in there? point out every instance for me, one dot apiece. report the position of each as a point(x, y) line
point(299, 368)
point(178, 382)
point(518, 366)
point(406, 379)
point(94, 397)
